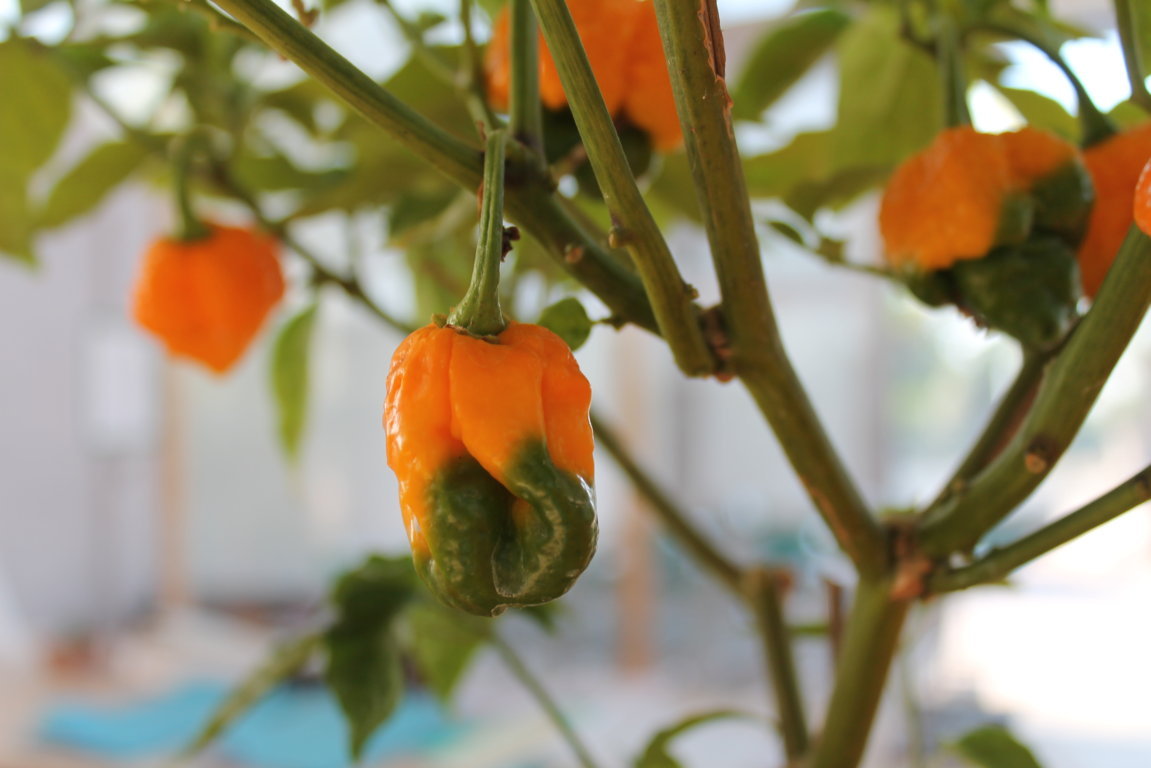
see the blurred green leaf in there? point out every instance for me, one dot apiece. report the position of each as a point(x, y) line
point(85, 58)
point(373, 593)
point(275, 172)
point(788, 231)
point(420, 206)
point(443, 643)
point(656, 754)
point(283, 663)
point(363, 668)
point(1141, 33)
point(808, 156)
point(835, 191)
point(298, 101)
point(365, 675)
point(1127, 114)
point(782, 57)
point(290, 362)
point(1042, 111)
point(993, 746)
point(441, 270)
point(31, 6)
point(672, 187)
point(568, 319)
point(37, 98)
point(889, 99)
point(88, 182)
point(804, 174)
point(15, 218)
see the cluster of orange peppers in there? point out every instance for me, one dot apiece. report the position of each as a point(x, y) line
point(1012, 227)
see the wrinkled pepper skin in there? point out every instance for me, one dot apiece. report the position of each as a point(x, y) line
point(990, 223)
point(492, 447)
point(1115, 164)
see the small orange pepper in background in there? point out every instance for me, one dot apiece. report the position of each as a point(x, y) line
point(207, 298)
point(621, 38)
point(1114, 165)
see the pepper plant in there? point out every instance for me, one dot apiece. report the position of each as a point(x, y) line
point(593, 177)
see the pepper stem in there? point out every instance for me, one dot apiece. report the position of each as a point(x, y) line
point(184, 149)
point(949, 60)
point(479, 311)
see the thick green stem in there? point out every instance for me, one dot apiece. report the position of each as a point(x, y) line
point(184, 152)
point(766, 597)
point(479, 311)
point(1133, 52)
point(634, 227)
point(1002, 425)
point(531, 199)
point(873, 631)
point(678, 522)
point(997, 564)
point(1073, 382)
point(526, 116)
point(543, 698)
point(694, 48)
point(949, 60)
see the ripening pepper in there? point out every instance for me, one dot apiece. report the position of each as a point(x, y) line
point(990, 223)
point(1142, 207)
point(1114, 164)
point(206, 298)
point(623, 46)
point(491, 443)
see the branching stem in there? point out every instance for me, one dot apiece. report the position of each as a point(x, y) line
point(694, 49)
point(999, 563)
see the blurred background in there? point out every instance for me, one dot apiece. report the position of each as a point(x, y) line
point(154, 544)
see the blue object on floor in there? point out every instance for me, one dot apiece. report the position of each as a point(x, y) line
point(296, 726)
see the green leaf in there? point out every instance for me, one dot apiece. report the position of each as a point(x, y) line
point(298, 102)
point(672, 187)
point(420, 206)
point(31, 6)
point(282, 664)
point(15, 218)
point(87, 183)
point(443, 644)
point(782, 57)
point(808, 156)
point(889, 94)
point(656, 754)
point(86, 58)
point(365, 675)
point(806, 176)
point(363, 670)
point(1041, 111)
point(37, 103)
point(993, 746)
point(290, 357)
point(373, 593)
point(275, 172)
point(835, 191)
point(568, 319)
point(1141, 34)
point(37, 98)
